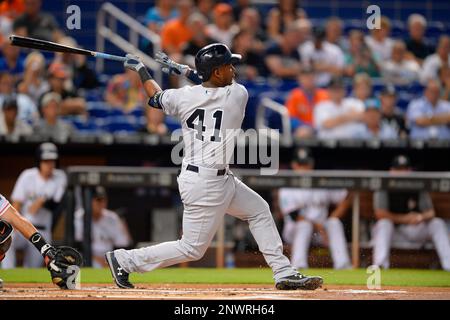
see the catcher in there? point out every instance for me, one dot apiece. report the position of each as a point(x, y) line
point(58, 260)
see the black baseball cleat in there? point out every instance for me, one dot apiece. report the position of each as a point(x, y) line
point(299, 282)
point(119, 275)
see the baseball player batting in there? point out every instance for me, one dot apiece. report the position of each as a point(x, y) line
point(210, 112)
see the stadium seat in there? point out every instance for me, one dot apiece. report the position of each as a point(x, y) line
point(172, 123)
point(118, 124)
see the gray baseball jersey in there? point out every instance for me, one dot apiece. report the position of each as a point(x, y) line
point(210, 119)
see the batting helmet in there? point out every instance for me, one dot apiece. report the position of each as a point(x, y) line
point(46, 151)
point(213, 56)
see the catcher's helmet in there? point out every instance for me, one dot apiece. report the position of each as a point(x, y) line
point(213, 56)
point(46, 151)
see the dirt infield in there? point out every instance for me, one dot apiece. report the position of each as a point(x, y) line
point(223, 292)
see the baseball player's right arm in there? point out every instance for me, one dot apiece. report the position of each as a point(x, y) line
point(151, 87)
point(381, 209)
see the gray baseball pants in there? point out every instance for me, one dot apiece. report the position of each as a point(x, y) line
point(207, 198)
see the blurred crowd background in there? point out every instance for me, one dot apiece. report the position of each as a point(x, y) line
point(333, 77)
point(337, 78)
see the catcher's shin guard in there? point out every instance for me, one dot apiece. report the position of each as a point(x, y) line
point(6, 231)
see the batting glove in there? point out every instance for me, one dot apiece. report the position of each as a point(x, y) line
point(133, 63)
point(170, 66)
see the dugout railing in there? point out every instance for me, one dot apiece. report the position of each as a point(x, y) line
point(87, 177)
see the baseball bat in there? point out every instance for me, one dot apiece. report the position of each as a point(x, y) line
point(44, 45)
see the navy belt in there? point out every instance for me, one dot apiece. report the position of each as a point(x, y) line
point(193, 168)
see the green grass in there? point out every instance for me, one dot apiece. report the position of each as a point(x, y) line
point(392, 277)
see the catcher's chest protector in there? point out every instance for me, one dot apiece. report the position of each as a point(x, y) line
point(6, 231)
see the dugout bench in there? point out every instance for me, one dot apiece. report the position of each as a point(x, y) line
point(362, 183)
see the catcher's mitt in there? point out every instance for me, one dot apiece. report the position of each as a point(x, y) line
point(64, 267)
point(6, 231)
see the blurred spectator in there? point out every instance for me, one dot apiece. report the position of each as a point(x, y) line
point(205, 8)
point(339, 117)
point(416, 44)
point(379, 42)
point(10, 124)
point(28, 111)
point(429, 117)
point(223, 29)
point(36, 24)
point(176, 32)
point(125, 91)
point(81, 75)
point(197, 22)
point(9, 11)
point(304, 30)
point(444, 79)
point(251, 65)
point(334, 33)
point(375, 127)
point(250, 21)
point(12, 8)
point(108, 230)
point(435, 61)
point(50, 125)
point(325, 58)
point(157, 16)
point(59, 80)
point(400, 70)
point(302, 101)
point(390, 114)
point(362, 89)
point(358, 58)
point(407, 216)
point(314, 214)
point(281, 17)
point(282, 57)
point(239, 7)
point(154, 122)
point(12, 61)
point(34, 83)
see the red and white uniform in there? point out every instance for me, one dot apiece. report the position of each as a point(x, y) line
point(4, 205)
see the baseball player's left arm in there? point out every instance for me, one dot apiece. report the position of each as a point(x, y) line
point(426, 206)
point(171, 67)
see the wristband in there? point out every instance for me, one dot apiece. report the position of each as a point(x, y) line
point(144, 75)
point(39, 242)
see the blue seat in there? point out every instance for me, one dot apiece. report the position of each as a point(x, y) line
point(398, 29)
point(172, 123)
point(435, 29)
point(137, 112)
point(117, 124)
point(352, 24)
point(94, 95)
